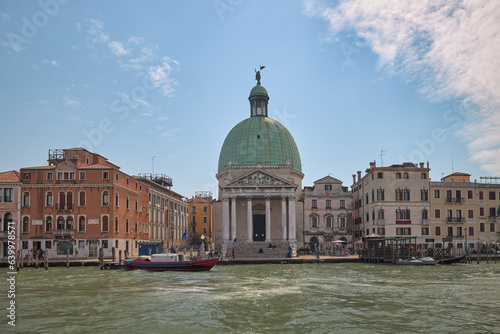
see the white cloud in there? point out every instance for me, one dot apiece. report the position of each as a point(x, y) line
point(67, 101)
point(449, 48)
point(160, 76)
point(95, 29)
point(50, 62)
point(117, 48)
point(4, 17)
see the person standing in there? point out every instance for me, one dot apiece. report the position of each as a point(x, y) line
point(233, 251)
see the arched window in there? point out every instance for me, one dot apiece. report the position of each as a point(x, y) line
point(62, 200)
point(328, 221)
point(406, 195)
point(60, 223)
point(105, 224)
point(424, 214)
point(405, 176)
point(126, 226)
point(26, 224)
point(26, 199)
point(126, 204)
point(105, 198)
point(381, 214)
point(136, 205)
point(314, 221)
point(48, 198)
point(117, 199)
point(70, 224)
point(399, 214)
point(48, 224)
point(81, 198)
point(6, 220)
point(116, 224)
point(69, 200)
point(81, 224)
point(136, 227)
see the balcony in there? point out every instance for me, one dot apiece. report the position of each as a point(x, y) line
point(381, 222)
point(455, 219)
point(456, 200)
point(64, 233)
point(63, 207)
point(426, 222)
point(492, 218)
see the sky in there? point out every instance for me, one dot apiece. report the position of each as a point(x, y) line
point(155, 86)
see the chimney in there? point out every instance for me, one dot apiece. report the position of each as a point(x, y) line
point(359, 175)
point(427, 164)
point(421, 165)
point(353, 178)
point(372, 165)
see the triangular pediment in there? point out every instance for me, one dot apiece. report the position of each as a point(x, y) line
point(259, 178)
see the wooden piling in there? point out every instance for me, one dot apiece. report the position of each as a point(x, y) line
point(18, 262)
point(67, 258)
point(101, 258)
point(113, 253)
point(37, 255)
point(120, 256)
point(46, 259)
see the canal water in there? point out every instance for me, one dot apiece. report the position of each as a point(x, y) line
point(293, 298)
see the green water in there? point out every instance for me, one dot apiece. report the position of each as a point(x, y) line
point(294, 298)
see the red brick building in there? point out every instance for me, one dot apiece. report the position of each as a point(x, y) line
point(82, 201)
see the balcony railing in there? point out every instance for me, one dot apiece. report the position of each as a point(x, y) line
point(457, 200)
point(381, 222)
point(63, 207)
point(492, 218)
point(64, 233)
point(426, 222)
point(455, 219)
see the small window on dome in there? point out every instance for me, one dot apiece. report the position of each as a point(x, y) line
point(258, 136)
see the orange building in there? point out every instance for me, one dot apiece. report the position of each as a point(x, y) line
point(200, 212)
point(82, 201)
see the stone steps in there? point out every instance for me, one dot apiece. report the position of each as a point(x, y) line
point(245, 250)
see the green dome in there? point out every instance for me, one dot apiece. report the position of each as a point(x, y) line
point(258, 90)
point(259, 141)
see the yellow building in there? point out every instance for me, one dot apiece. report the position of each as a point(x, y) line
point(200, 213)
point(464, 211)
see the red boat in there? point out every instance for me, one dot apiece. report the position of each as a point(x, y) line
point(169, 262)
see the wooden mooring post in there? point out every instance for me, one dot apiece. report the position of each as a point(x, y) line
point(37, 256)
point(46, 259)
point(101, 258)
point(67, 258)
point(120, 256)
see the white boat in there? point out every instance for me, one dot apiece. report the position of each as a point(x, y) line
point(427, 260)
point(411, 262)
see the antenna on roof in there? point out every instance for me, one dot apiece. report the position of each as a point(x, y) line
point(452, 166)
point(154, 156)
point(381, 155)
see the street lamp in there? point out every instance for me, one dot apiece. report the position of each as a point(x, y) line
point(202, 247)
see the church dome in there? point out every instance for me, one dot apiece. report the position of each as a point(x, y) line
point(259, 140)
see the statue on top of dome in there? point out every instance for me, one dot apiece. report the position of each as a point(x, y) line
point(257, 74)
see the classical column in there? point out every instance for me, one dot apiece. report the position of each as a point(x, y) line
point(233, 218)
point(268, 218)
point(249, 219)
point(225, 219)
point(291, 219)
point(283, 217)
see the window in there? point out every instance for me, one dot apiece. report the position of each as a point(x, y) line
point(492, 227)
point(450, 231)
point(60, 223)
point(205, 229)
point(8, 194)
point(105, 198)
point(403, 231)
point(423, 176)
point(26, 176)
point(373, 195)
point(127, 182)
point(459, 231)
point(405, 176)
point(81, 198)
point(205, 219)
point(398, 175)
point(436, 193)
point(105, 175)
point(424, 214)
point(126, 226)
point(314, 221)
point(380, 214)
point(328, 187)
point(105, 244)
point(116, 176)
point(48, 244)
point(116, 225)
point(69, 223)
point(438, 230)
point(69, 200)
point(424, 195)
point(26, 199)
point(492, 212)
point(49, 176)
point(437, 213)
point(314, 204)
point(481, 227)
point(48, 224)
point(48, 199)
point(399, 195)
point(81, 224)
point(380, 175)
point(342, 222)
point(380, 194)
point(481, 212)
point(492, 196)
point(26, 224)
point(328, 204)
point(406, 195)
point(470, 194)
point(136, 205)
point(105, 224)
point(117, 200)
point(342, 204)
point(471, 231)
point(481, 195)
point(25, 245)
point(328, 222)
point(205, 208)
point(425, 231)
point(136, 227)
point(81, 176)
point(127, 203)
point(471, 214)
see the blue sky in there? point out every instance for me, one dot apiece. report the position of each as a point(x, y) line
point(132, 80)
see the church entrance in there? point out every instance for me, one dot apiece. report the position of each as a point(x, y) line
point(259, 227)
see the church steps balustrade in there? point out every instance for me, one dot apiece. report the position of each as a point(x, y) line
point(246, 250)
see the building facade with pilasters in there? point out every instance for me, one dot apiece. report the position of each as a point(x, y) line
point(260, 185)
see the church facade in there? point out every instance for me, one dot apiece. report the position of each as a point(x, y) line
point(260, 186)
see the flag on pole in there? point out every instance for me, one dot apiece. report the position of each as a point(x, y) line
point(184, 236)
point(498, 211)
